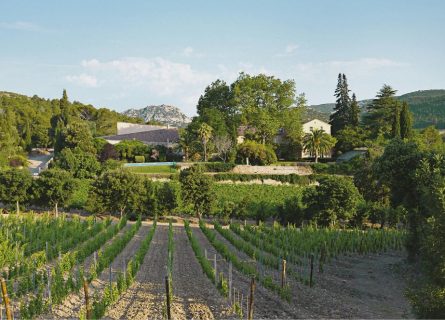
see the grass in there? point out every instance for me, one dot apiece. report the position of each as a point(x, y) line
point(152, 169)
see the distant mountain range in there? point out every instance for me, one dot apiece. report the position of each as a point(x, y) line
point(427, 106)
point(165, 114)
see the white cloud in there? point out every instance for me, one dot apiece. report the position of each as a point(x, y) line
point(190, 52)
point(289, 50)
point(21, 25)
point(83, 79)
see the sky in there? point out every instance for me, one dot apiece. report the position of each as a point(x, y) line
point(129, 54)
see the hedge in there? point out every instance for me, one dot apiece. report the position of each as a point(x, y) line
point(284, 178)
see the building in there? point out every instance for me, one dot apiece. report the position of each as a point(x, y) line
point(147, 134)
point(308, 127)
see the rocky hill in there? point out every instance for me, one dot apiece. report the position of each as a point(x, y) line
point(165, 114)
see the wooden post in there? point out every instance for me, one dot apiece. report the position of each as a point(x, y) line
point(167, 291)
point(252, 290)
point(49, 288)
point(6, 300)
point(87, 299)
point(110, 277)
point(214, 267)
point(230, 280)
point(312, 270)
point(283, 273)
point(205, 253)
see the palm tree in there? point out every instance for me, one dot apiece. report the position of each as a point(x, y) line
point(318, 142)
point(205, 133)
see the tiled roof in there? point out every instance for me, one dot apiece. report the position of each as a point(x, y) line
point(152, 136)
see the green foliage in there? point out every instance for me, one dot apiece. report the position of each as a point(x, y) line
point(197, 190)
point(257, 153)
point(152, 169)
point(283, 178)
point(168, 197)
point(406, 122)
point(217, 166)
point(350, 138)
point(117, 191)
point(341, 117)
point(15, 186)
point(318, 143)
point(139, 159)
point(81, 164)
point(335, 198)
point(55, 187)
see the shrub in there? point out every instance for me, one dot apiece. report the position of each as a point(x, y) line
point(284, 178)
point(139, 159)
point(18, 161)
point(217, 166)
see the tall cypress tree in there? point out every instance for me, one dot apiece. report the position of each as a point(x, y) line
point(355, 112)
point(395, 130)
point(406, 122)
point(342, 110)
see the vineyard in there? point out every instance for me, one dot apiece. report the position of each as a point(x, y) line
point(73, 267)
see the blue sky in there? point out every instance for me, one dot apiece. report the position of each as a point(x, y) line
point(122, 54)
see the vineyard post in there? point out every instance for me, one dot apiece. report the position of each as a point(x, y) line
point(167, 289)
point(205, 253)
point(312, 270)
point(49, 288)
point(109, 268)
point(46, 249)
point(214, 264)
point(87, 298)
point(230, 280)
point(252, 289)
point(283, 273)
point(6, 300)
point(95, 258)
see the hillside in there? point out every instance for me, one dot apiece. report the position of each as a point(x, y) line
point(165, 114)
point(427, 106)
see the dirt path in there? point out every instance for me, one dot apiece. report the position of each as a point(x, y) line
point(267, 305)
point(76, 301)
point(145, 298)
point(194, 295)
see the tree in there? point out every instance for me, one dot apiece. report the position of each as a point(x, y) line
point(292, 126)
point(318, 143)
point(335, 198)
point(395, 130)
point(355, 112)
point(223, 145)
point(168, 197)
point(55, 187)
point(350, 138)
point(406, 122)
point(78, 135)
point(256, 153)
point(15, 186)
point(82, 165)
point(118, 190)
point(341, 117)
point(205, 133)
point(380, 114)
point(197, 190)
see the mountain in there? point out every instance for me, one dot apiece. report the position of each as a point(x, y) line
point(165, 114)
point(427, 106)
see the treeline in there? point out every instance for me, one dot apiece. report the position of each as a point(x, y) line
point(33, 122)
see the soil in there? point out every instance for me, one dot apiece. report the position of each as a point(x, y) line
point(145, 297)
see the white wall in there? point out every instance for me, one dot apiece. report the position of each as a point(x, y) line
point(125, 127)
point(316, 124)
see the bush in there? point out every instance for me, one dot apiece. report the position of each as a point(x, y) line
point(283, 178)
point(139, 159)
point(257, 153)
point(217, 166)
point(18, 161)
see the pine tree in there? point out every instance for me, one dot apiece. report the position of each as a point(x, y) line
point(64, 108)
point(395, 130)
point(355, 112)
point(381, 111)
point(342, 110)
point(406, 122)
